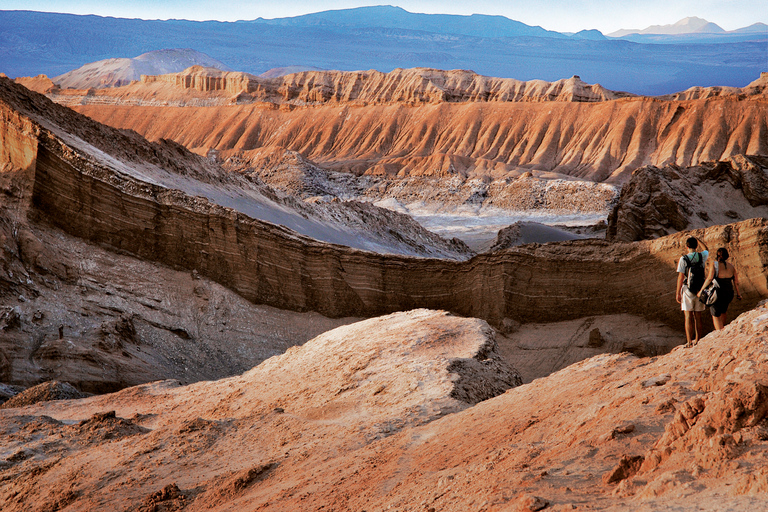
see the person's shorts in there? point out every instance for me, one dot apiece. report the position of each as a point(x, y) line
point(691, 302)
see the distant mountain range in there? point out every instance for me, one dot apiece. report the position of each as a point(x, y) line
point(385, 38)
point(691, 25)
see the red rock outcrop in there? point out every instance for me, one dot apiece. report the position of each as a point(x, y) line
point(759, 86)
point(602, 141)
point(431, 122)
point(364, 418)
point(659, 201)
point(206, 80)
point(40, 83)
point(408, 86)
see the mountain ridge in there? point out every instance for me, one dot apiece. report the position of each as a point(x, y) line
point(598, 141)
point(689, 25)
point(33, 43)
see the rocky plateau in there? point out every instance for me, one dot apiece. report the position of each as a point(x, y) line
point(429, 123)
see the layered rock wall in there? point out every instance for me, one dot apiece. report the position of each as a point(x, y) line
point(79, 191)
point(205, 80)
point(269, 264)
point(18, 153)
point(409, 86)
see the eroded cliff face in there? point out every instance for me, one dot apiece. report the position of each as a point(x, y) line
point(757, 87)
point(602, 141)
point(435, 123)
point(659, 201)
point(269, 264)
point(206, 79)
point(406, 86)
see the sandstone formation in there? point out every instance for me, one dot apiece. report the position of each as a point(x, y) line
point(102, 321)
point(759, 86)
point(408, 86)
point(659, 201)
point(351, 421)
point(603, 141)
point(270, 264)
point(168, 166)
point(206, 79)
point(41, 84)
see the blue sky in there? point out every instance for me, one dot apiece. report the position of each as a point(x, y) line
point(561, 15)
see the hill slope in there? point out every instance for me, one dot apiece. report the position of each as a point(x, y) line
point(379, 414)
point(603, 141)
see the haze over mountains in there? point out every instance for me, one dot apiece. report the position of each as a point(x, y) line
point(689, 26)
point(385, 38)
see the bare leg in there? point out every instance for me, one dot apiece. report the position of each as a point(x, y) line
point(718, 321)
point(699, 326)
point(689, 327)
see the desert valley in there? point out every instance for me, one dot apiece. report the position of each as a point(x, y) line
point(410, 289)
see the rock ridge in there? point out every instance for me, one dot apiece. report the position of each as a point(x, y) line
point(602, 141)
point(401, 86)
point(659, 201)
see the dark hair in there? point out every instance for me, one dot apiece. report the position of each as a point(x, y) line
point(692, 243)
point(722, 254)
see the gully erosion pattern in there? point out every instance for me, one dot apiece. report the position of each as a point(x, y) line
point(268, 264)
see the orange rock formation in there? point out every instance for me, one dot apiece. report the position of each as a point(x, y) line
point(431, 122)
point(602, 141)
point(379, 414)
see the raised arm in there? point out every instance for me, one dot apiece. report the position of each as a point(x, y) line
point(701, 242)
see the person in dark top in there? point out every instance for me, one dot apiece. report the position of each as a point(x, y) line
point(728, 281)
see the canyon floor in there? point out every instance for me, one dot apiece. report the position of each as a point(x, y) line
point(464, 326)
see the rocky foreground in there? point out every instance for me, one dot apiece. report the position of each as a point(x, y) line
point(384, 414)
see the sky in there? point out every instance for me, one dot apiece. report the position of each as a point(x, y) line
point(560, 15)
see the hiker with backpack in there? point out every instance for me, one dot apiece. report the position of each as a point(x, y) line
point(727, 280)
point(690, 280)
